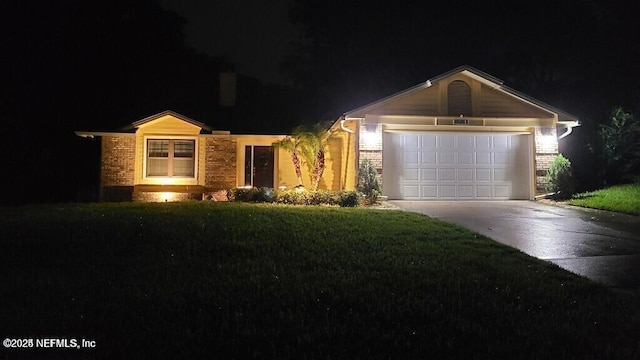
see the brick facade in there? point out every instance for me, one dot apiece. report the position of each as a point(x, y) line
point(150, 196)
point(370, 146)
point(546, 151)
point(117, 169)
point(220, 163)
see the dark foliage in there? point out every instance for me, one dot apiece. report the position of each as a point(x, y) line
point(560, 178)
point(620, 147)
point(368, 183)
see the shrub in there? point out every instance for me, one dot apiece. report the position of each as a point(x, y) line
point(368, 183)
point(320, 197)
point(560, 178)
point(323, 197)
point(294, 197)
point(252, 195)
point(348, 198)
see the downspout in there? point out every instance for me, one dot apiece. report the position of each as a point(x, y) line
point(346, 161)
point(568, 131)
point(344, 128)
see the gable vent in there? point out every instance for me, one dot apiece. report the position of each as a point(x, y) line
point(459, 99)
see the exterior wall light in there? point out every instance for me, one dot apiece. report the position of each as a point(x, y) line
point(167, 196)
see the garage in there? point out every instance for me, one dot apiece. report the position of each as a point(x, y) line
point(457, 166)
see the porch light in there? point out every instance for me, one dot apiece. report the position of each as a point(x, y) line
point(370, 136)
point(167, 196)
point(547, 140)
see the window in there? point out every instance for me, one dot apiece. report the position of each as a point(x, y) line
point(171, 157)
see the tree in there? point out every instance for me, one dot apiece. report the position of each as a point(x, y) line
point(620, 140)
point(292, 145)
point(314, 141)
point(310, 144)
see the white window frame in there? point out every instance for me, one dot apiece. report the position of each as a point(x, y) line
point(145, 157)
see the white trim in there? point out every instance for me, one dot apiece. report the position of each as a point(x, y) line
point(170, 180)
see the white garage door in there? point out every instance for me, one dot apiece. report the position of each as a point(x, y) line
point(421, 166)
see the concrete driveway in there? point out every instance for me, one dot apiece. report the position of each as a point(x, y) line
point(600, 245)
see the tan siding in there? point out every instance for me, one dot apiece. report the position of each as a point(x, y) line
point(496, 104)
point(340, 169)
point(168, 126)
point(423, 102)
point(349, 159)
point(287, 173)
point(331, 178)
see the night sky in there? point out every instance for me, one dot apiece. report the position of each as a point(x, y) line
point(98, 65)
point(253, 34)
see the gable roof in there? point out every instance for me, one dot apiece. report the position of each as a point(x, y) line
point(137, 124)
point(130, 129)
point(474, 73)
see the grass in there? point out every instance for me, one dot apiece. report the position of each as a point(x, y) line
point(241, 281)
point(620, 198)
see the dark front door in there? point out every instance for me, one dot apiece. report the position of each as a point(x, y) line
point(258, 166)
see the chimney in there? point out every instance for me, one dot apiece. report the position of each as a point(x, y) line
point(227, 89)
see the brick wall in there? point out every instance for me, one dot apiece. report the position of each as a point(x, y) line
point(546, 151)
point(117, 167)
point(118, 160)
point(220, 163)
point(149, 196)
point(370, 146)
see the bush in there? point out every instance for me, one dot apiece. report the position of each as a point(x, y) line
point(348, 198)
point(252, 195)
point(320, 197)
point(560, 178)
point(368, 183)
point(294, 197)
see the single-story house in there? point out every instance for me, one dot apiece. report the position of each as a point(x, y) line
point(462, 135)
point(170, 157)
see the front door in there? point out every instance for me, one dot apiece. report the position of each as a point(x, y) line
point(258, 166)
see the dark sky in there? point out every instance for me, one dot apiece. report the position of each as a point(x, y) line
point(533, 46)
point(253, 34)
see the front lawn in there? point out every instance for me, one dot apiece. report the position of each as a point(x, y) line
point(619, 198)
point(241, 281)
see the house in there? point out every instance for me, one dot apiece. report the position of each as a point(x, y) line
point(462, 135)
point(170, 157)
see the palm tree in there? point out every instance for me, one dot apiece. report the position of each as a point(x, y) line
point(313, 144)
point(292, 145)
